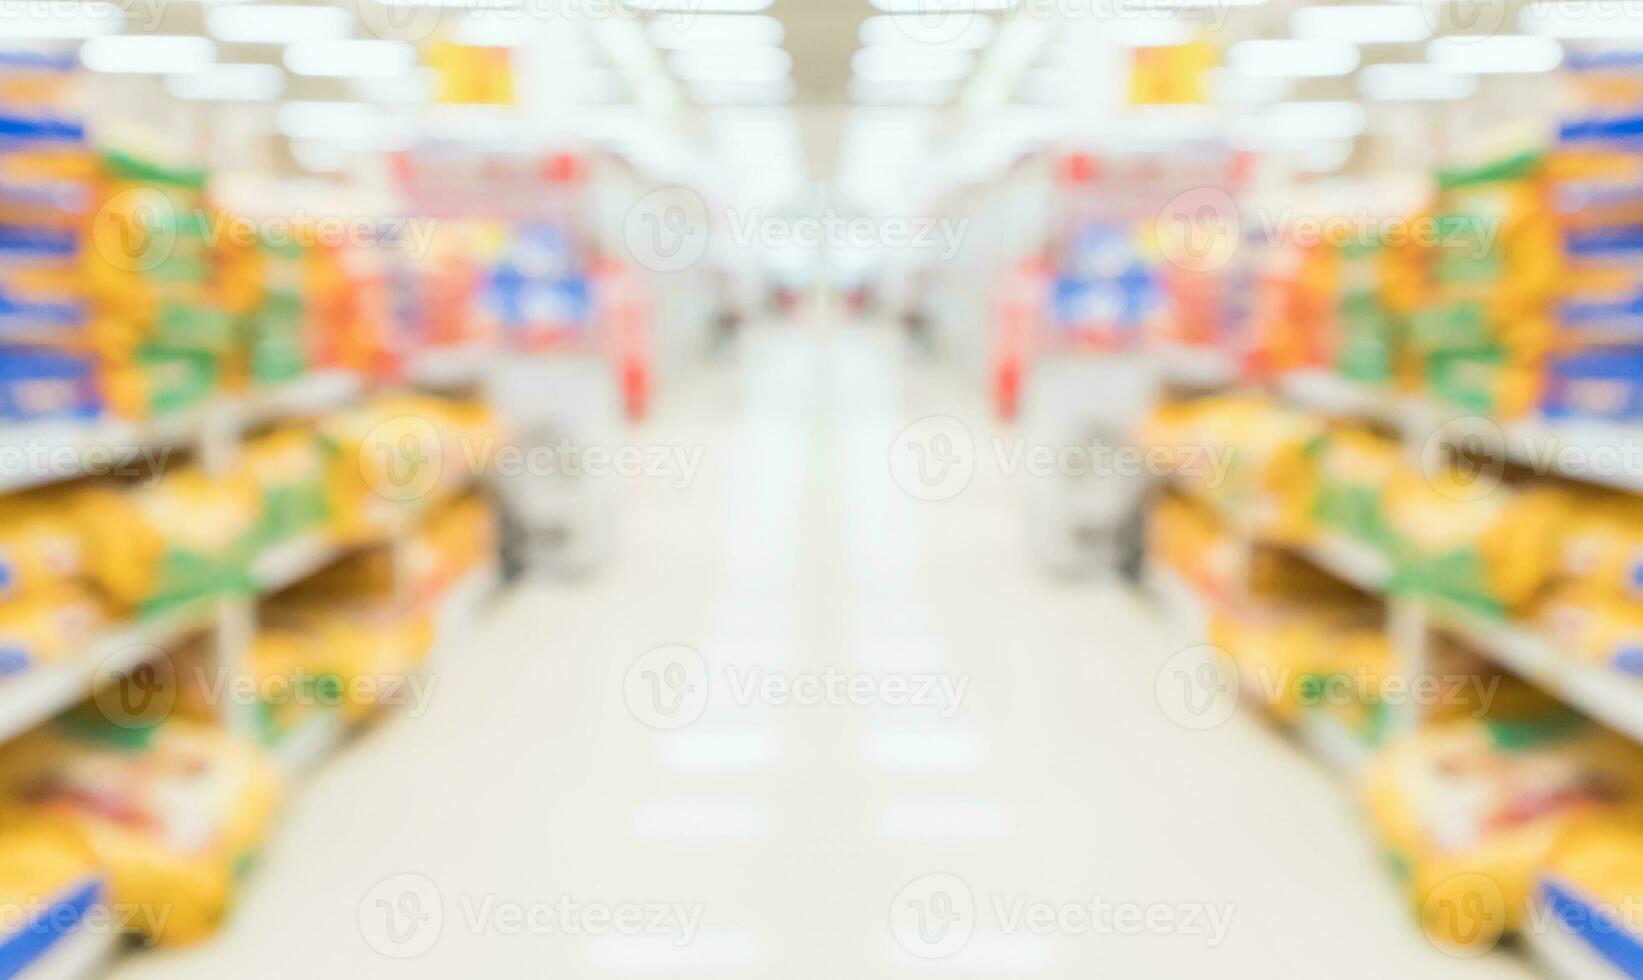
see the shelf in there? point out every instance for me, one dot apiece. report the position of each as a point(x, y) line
point(37, 695)
point(1586, 452)
point(1330, 394)
point(1195, 367)
point(81, 954)
point(309, 743)
point(288, 563)
point(450, 367)
point(63, 446)
point(1332, 742)
point(1562, 955)
point(313, 394)
point(1350, 561)
point(1606, 696)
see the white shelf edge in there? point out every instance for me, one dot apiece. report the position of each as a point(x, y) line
point(1562, 955)
point(1353, 562)
point(311, 394)
point(1605, 696)
point(38, 695)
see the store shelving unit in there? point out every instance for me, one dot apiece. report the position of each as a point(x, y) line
point(216, 431)
point(1607, 696)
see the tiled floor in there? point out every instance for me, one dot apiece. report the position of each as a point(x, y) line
point(887, 746)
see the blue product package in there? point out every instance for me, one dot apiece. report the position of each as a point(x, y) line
point(1596, 924)
point(1603, 385)
point(39, 383)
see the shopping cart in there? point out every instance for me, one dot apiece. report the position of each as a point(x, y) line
point(555, 518)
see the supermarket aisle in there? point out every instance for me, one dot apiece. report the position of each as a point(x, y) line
point(778, 839)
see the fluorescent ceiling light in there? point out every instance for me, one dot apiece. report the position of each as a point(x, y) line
point(482, 30)
point(328, 120)
point(23, 19)
point(699, 6)
point(679, 32)
point(147, 54)
point(925, 92)
point(912, 64)
point(1415, 83)
point(889, 30)
point(1312, 120)
point(1507, 55)
point(1592, 20)
point(1149, 32)
point(932, 10)
point(229, 83)
point(726, 92)
point(255, 23)
point(1293, 58)
point(350, 58)
point(1228, 87)
point(1386, 23)
point(751, 64)
point(1131, 6)
point(470, 5)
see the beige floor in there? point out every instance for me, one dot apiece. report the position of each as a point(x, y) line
point(828, 840)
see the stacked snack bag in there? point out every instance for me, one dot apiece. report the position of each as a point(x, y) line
point(1596, 370)
point(1354, 467)
point(47, 367)
point(173, 810)
point(399, 451)
point(1292, 290)
point(1483, 331)
point(1266, 450)
point(1380, 286)
point(185, 537)
point(1472, 809)
point(1589, 891)
point(1594, 612)
point(166, 340)
point(264, 285)
point(48, 609)
point(53, 886)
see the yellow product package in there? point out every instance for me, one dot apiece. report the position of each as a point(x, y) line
point(371, 648)
point(1590, 890)
point(401, 451)
point(174, 812)
point(49, 626)
point(1471, 809)
point(40, 543)
point(1595, 627)
point(49, 876)
point(185, 537)
point(1463, 536)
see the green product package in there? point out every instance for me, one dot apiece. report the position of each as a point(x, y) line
point(1470, 380)
point(1452, 326)
point(177, 378)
